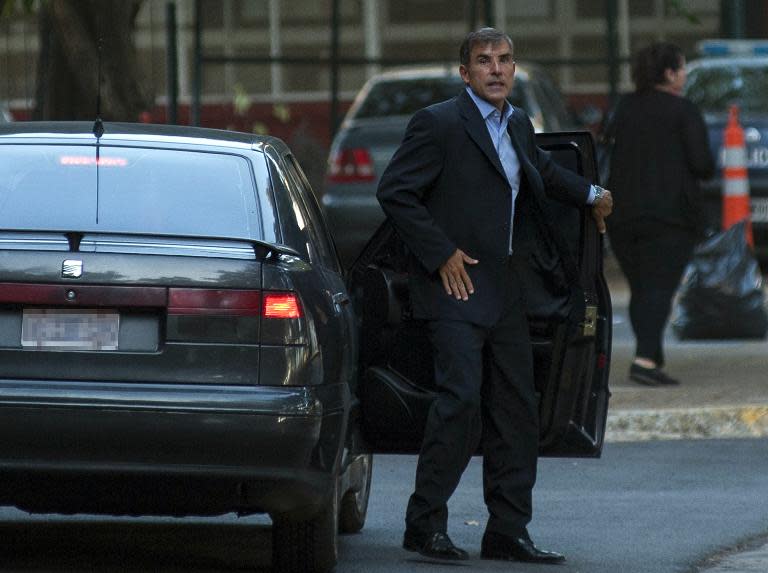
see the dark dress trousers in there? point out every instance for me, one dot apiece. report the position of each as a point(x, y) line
point(445, 189)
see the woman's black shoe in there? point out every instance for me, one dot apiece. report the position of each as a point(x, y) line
point(435, 545)
point(650, 376)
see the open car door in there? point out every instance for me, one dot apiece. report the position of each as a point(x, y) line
point(571, 339)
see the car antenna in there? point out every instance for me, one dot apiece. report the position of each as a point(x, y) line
point(98, 125)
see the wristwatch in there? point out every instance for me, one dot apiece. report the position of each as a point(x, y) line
point(599, 192)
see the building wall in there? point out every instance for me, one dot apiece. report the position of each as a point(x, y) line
point(566, 36)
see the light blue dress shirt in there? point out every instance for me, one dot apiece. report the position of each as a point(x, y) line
point(496, 122)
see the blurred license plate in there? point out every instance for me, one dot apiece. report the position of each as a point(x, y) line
point(760, 210)
point(65, 329)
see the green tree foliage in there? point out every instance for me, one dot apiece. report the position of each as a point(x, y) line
point(679, 8)
point(8, 7)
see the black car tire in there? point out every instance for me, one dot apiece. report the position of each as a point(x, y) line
point(307, 546)
point(354, 504)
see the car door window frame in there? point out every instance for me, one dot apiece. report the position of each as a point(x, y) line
point(324, 245)
point(291, 212)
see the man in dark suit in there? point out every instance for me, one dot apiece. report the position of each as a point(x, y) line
point(465, 192)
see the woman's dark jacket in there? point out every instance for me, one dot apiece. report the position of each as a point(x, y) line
point(660, 153)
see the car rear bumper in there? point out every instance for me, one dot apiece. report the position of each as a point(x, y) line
point(115, 447)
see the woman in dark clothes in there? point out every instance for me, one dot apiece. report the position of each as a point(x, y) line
point(660, 152)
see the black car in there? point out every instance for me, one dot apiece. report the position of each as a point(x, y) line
point(177, 336)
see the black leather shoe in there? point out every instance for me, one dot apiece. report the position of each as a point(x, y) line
point(435, 545)
point(504, 548)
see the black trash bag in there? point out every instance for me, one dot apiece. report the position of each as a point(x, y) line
point(721, 295)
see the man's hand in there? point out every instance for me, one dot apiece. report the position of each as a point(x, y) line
point(456, 281)
point(601, 209)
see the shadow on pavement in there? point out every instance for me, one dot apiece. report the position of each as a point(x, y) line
point(106, 545)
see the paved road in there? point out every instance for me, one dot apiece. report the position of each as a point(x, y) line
point(650, 507)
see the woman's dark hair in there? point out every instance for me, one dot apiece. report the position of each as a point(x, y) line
point(481, 36)
point(650, 63)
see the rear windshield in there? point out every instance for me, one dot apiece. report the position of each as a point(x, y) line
point(407, 96)
point(140, 190)
point(713, 89)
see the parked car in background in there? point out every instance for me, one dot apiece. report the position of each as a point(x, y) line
point(5, 115)
point(177, 336)
point(374, 126)
point(735, 72)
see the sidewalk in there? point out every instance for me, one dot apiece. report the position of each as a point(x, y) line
point(724, 389)
point(723, 394)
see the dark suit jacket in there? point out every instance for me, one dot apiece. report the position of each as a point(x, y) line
point(445, 189)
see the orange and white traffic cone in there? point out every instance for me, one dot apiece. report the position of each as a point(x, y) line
point(736, 207)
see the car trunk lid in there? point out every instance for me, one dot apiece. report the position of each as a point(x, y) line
point(134, 308)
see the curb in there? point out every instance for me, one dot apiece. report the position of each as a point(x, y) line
point(687, 423)
point(747, 561)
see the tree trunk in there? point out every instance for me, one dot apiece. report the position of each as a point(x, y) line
point(72, 35)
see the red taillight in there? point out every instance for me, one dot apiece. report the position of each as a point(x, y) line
point(70, 294)
point(233, 302)
point(212, 301)
point(281, 305)
point(351, 166)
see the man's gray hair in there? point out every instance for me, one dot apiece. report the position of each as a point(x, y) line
point(482, 36)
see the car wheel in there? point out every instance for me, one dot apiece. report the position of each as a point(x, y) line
point(307, 546)
point(354, 504)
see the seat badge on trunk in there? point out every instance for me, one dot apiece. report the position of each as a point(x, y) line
point(71, 269)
